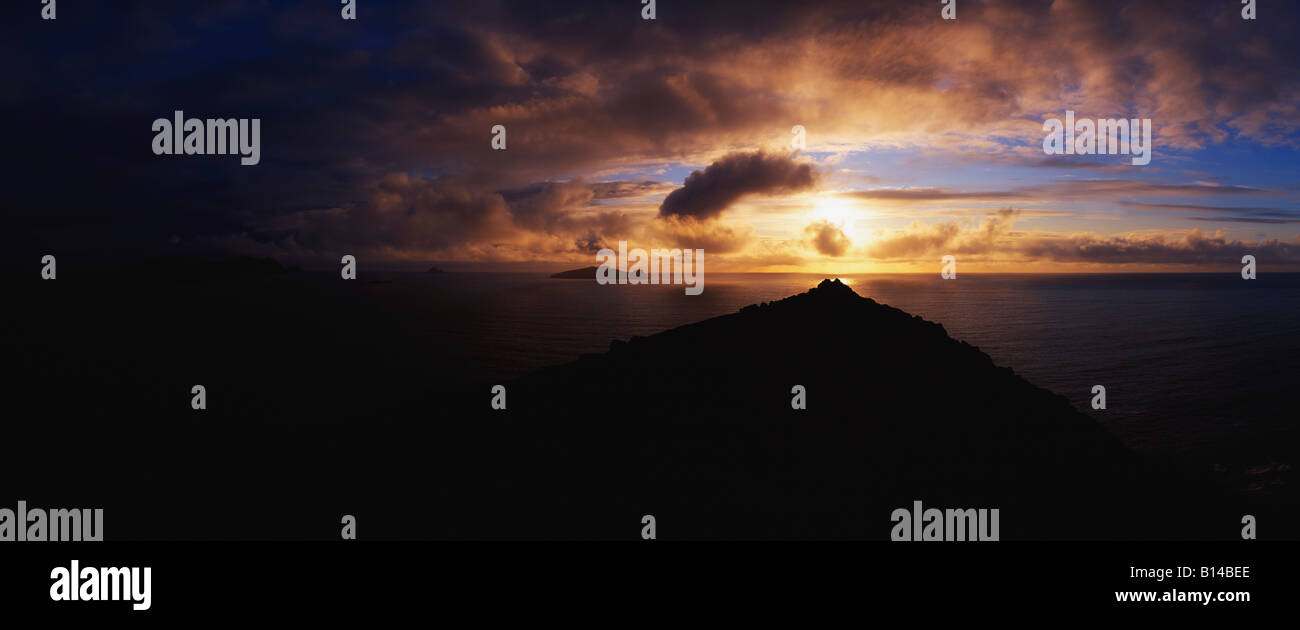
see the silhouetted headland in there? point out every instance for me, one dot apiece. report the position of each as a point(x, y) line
point(586, 273)
point(695, 425)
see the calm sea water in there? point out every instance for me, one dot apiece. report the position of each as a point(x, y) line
point(1189, 361)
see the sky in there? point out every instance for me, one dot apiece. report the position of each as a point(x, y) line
point(923, 136)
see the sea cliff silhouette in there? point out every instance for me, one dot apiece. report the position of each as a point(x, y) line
point(695, 425)
point(586, 273)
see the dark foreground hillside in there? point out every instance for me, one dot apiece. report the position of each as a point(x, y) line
point(319, 409)
point(697, 424)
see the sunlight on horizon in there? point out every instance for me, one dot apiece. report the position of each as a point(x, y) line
point(846, 214)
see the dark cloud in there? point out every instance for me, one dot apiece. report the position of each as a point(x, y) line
point(1225, 214)
point(406, 217)
point(1244, 220)
point(546, 206)
point(705, 194)
point(1088, 189)
point(827, 238)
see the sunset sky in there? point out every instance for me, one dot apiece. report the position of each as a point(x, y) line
point(924, 135)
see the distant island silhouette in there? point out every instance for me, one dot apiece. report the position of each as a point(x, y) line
point(586, 273)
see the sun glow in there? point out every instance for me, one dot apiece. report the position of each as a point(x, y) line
point(846, 213)
point(842, 212)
